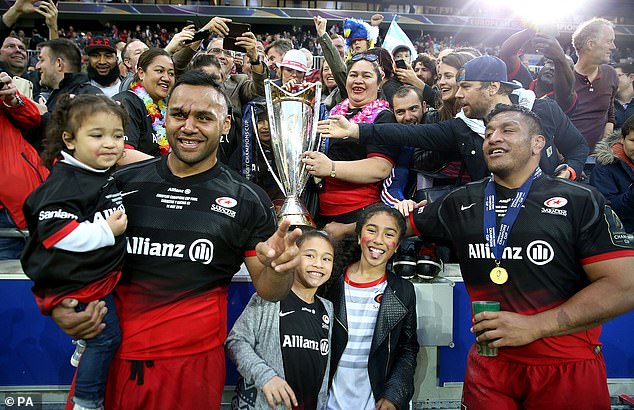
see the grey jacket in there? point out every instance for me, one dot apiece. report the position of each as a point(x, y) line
point(254, 347)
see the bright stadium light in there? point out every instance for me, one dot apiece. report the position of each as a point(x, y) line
point(539, 12)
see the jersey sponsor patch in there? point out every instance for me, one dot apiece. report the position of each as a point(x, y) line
point(618, 236)
point(200, 250)
point(537, 252)
point(59, 214)
point(301, 342)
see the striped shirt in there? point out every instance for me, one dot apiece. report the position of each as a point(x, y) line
point(351, 387)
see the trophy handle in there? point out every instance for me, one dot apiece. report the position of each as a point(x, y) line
point(266, 161)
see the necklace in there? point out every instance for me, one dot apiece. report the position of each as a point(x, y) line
point(157, 116)
point(367, 114)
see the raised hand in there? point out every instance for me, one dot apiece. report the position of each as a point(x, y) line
point(320, 25)
point(337, 126)
point(280, 251)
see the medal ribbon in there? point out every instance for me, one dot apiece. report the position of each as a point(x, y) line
point(497, 241)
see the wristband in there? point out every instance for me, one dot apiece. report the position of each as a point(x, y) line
point(573, 174)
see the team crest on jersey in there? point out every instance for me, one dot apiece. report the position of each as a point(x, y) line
point(325, 322)
point(378, 298)
point(555, 202)
point(553, 205)
point(226, 201)
point(618, 236)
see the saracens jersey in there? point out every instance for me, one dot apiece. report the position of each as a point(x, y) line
point(187, 237)
point(561, 227)
point(71, 195)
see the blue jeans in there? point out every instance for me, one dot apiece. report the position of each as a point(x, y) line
point(92, 372)
point(10, 248)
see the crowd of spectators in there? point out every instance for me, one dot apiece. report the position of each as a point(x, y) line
point(195, 112)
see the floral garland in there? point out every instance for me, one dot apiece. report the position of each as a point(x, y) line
point(157, 116)
point(367, 114)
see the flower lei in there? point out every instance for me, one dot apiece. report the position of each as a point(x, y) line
point(157, 116)
point(367, 114)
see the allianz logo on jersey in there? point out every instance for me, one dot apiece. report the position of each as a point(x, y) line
point(200, 250)
point(537, 252)
point(300, 342)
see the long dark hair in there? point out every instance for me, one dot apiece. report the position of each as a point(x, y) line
point(449, 109)
point(349, 251)
point(68, 116)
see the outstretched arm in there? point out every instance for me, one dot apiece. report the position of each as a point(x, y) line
point(511, 47)
point(272, 268)
point(563, 79)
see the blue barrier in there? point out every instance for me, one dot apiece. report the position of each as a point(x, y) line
point(34, 352)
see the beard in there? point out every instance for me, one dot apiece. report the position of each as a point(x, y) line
point(105, 80)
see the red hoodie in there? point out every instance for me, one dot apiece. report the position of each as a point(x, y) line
point(21, 170)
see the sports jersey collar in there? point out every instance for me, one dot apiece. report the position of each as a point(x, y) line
point(70, 160)
point(165, 172)
point(365, 284)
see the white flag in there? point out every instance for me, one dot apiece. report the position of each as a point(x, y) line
point(396, 37)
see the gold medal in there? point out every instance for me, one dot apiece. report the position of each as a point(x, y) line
point(499, 275)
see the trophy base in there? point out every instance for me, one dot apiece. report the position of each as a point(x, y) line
point(294, 210)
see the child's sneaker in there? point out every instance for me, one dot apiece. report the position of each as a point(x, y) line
point(80, 346)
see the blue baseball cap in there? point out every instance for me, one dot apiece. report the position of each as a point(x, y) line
point(486, 68)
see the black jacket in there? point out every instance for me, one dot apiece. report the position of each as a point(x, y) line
point(138, 131)
point(72, 83)
point(561, 137)
point(392, 360)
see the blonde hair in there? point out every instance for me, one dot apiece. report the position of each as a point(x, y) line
point(588, 30)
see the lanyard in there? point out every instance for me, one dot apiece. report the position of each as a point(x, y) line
point(497, 241)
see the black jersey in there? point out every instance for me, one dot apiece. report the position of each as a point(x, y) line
point(69, 196)
point(561, 226)
point(138, 131)
point(304, 342)
point(187, 237)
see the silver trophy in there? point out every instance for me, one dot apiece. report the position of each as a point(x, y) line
point(293, 118)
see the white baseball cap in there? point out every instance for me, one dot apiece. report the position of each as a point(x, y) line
point(295, 60)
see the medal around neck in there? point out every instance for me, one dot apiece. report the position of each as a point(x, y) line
point(497, 239)
point(499, 275)
point(293, 118)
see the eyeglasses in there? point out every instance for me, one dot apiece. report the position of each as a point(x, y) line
point(227, 53)
point(364, 56)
